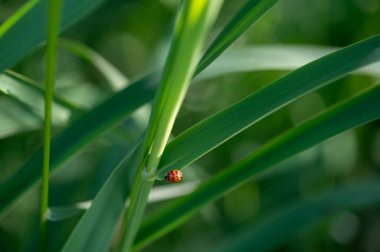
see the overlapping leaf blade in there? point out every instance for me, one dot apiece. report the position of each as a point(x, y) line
point(217, 129)
point(355, 112)
point(80, 237)
point(89, 122)
point(125, 101)
point(210, 133)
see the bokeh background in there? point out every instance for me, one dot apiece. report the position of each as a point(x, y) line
point(133, 36)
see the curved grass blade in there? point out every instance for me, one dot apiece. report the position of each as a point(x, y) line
point(190, 145)
point(215, 130)
point(256, 58)
point(357, 111)
point(114, 77)
point(120, 107)
point(120, 112)
point(26, 28)
point(241, 21)
point(53, 20)
point(19, 182)
point(191, 27)
point(274, 229)
point(182, 150)
point(353, 57)
point(349, 59)
point(116, 208)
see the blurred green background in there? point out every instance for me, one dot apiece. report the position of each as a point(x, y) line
point(133, 35)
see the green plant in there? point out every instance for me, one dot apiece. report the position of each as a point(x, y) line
point(146, 158)
point(52, 31)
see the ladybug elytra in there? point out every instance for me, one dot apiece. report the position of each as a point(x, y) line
point(173, 176)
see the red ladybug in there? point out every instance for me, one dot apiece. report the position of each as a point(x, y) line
point(173, 176)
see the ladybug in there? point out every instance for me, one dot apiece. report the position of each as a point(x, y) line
point(173, 176)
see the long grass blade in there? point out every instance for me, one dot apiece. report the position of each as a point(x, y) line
point(122, 104)
point(80, 237)
point(360, 52)
point(215, 130)
point(182, 149)
point(357, 111)
point(51, 57)
point(72, 139)
point(193, 22)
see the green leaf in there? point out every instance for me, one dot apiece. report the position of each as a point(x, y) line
point(256, 58)
point(275, 228)
point(192, 144)
point(357, 111)
point(271, 57)
point(27, 27)
point(115, 207)
point(241, 21)
point(119, 106)
point(124, 102)
point(90, 127)
point(54, 15)
point(215, 130)
point(193, 22)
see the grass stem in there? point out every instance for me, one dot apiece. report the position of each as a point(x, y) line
point(51, 55)
point(194, 19)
